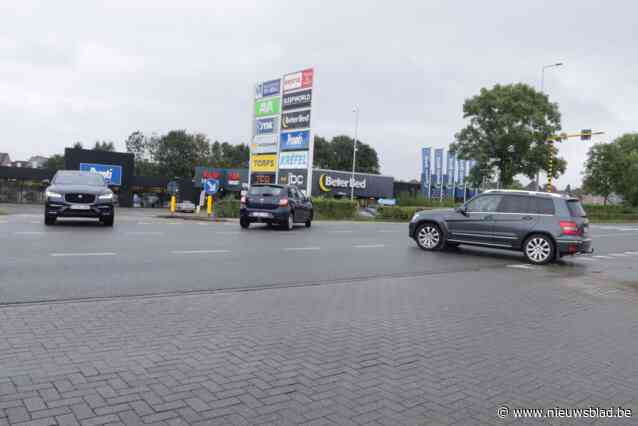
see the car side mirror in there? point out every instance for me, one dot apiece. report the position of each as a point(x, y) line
point(46, 181)
point(461, 210)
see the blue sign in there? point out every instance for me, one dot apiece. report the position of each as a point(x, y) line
point(112, 174)
point(438, 165)
point(451, 167)
point(211, 186)
point(265, 126)
point(295, 141)
point(268, 88)
point(425, 170)
point(461, 179)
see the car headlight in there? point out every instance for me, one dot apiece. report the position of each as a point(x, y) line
point(414, 216)
point(106, 197)
point(51, 194)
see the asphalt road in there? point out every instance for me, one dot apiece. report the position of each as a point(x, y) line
point(143, 255)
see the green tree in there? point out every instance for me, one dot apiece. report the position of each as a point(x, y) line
point(337, 155)
point(55, 162)
point(507, 129)
point(601, 169)
point(178, 153)
point(78, 145)
point(626, 173)
point(142, 148)
point(104, 146)
point(228, 155)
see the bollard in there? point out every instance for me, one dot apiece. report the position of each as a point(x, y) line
point(210, 205)
point(173, 204)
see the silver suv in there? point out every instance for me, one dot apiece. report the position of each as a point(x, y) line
point(544, 226)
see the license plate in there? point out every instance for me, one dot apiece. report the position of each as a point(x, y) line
point(260, 214)
point(80, 207)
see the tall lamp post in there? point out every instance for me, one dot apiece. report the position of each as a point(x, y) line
point(354, 149)
point(555, 65)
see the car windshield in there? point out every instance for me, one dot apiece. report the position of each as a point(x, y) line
point(91, 179)
point(576, 209)
point(265, 190)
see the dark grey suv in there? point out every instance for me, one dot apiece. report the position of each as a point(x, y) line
point(544, 226)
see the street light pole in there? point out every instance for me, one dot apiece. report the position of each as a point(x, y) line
point(354, 149)
point(557, 64)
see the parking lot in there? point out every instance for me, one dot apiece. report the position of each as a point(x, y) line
point(166, 321)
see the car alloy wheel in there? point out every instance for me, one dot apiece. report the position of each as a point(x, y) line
point(291, 222)
point(538, 249)
point(429, 237)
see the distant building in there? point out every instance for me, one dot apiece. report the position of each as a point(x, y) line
point(5, 160)
point(37, 161)
point(23, 164)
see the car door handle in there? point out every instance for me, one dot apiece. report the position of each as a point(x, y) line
point(527, 218)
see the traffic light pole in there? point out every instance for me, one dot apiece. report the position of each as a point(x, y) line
point(584, 135)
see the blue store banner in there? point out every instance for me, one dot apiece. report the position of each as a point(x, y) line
point(295, 141)
point(425, 169)
point(451, 168)
point(112, 174)
point(461, 179)
point(438, 166)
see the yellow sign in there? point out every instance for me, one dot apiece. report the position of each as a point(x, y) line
point(264, 163)
point(322, 184)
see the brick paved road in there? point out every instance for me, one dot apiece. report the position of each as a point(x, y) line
point(436, 349)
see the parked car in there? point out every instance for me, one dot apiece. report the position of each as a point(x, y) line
point(75, 193)
point(282, 205)
point(185, 207)
point(544, 226)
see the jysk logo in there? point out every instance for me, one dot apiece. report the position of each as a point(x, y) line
point(112, 174)
point(295, 120)
point(293, 160)
point(295, 141)
point(265, 126)
point(296, 100)
point(266, 107)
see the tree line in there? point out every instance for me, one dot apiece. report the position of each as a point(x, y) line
point(178, 152)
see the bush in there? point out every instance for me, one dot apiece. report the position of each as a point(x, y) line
point(227, 207)
point(331, 208)
point(611, 213)
point(406, 199)
point(397, 213)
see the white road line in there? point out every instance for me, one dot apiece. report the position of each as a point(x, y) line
point(387, 231)
point(28, 232)
point(228, 232)
point(199, 251)
point(611, 235)
point(603, 257)
point(144, 223)
point(618, 254)
point(369, 246)
point(530, 267)
point(174, 223)
point(301, 248)
point(82, 254)
point(35, 221)
point(633, 253)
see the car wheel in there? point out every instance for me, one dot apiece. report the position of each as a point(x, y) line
point(308, 223)
point(539, 249)
point(429, 237)
point(244, 223)
point(290, 223)
point(108, 221)
point(48, 220)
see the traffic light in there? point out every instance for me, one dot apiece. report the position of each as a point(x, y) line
point(585, 135)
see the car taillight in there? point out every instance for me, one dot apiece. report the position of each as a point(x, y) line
point(283, 202)
point(569, 228)
point(243, 200)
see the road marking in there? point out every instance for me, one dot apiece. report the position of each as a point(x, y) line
point(603, 257)
point(612, 235)
point(228, 232)
point(341, 232)
point(530, 267)
point(199, 251)
point(145, 233)
point(633, 253)
point(301, 248)
point(144, 223)
point(28, 232)
point(174, 223)
point(369, 246)
point(387, 231)
point(35, 221)
point(82, 254)
point(618, 254)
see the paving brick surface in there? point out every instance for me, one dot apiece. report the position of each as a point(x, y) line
point(431, 350)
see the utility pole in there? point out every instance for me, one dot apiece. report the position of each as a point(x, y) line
point(354, 149)
point(557, 64)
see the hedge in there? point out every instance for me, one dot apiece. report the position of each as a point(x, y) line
point(324, 208)
point(419, 200)
point(397, 213)
point(613, 213)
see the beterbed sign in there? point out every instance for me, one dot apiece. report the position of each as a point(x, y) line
point(295, 141)
point(268, 88)
point(295, 120)
point(295, 100)
point(264, 107)
point(265, 126)
point(327, 183)
point(112, 174)
point(340, 183)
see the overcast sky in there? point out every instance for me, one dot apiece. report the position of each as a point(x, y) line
point(87, 70)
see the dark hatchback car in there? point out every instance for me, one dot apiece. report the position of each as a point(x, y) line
point(544, 226)
point(282, 205)
point(79, 194)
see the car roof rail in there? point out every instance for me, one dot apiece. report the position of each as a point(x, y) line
point(525, 192)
